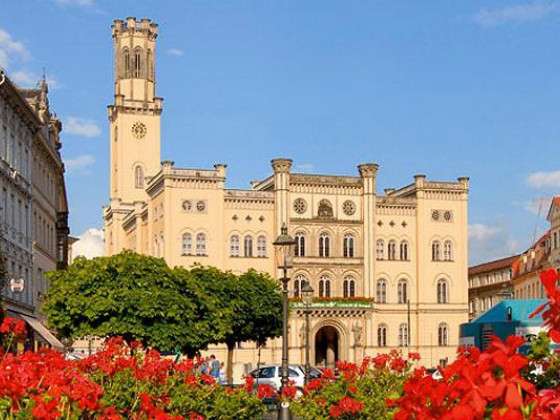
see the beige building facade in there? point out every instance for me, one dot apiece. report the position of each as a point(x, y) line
point(489, 284)
point(388, 270)
point(34, 210)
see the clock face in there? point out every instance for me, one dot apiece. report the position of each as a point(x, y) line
point(139, 129)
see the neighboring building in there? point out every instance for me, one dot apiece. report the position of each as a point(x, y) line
point(489, 283)
point(526, 269)
point(365, 254)
point(508, 317)
point(34, 210)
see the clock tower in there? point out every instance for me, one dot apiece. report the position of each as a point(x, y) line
point(135, 115)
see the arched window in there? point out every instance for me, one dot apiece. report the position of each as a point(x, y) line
point(125, 64)
point(137, 63)
point(186, 244)
point(392, 250)
point(324, 244)
point(150, 65)
point(436, 251)
point(138, 177)
point(382, 335)
point(348, 246)
point(234, 246)
point(261, 246)
point(443, 335)
point(380, 249)
point(381, 292)
point(403, 335)
point(403, 291)
point(201, 244)
point(442, 291)
point(349, 287)
point(300, 244)
point(324, 287)
point(404, 250)
point(299, 281)
point(448, 251)
point(248, 246)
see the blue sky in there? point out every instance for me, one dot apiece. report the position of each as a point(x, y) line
point(446, 88)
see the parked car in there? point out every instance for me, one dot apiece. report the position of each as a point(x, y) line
point(271, 375)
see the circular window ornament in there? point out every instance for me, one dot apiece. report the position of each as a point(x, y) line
point(187, 205)
point(139, 130)
point(349, 207)
point(435, 214)
point(201, 206)
point(447, 216)
point(300, 206)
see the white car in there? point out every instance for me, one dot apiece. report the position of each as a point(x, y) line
point(271, 375)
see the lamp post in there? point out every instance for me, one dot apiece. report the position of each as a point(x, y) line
point(307, 295)
point(284, 246)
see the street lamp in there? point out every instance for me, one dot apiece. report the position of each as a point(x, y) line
point(284, 251)
point(307, 296)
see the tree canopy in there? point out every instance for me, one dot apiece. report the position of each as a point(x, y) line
point(140, 298)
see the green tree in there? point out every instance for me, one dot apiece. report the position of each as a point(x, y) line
point(129, 295)
point(256, 304)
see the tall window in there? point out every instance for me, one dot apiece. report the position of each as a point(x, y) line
point(403, 291)
point(381, 292)
point(380, 249)
point(126, 63)
point(436, 251)
point(448, 251)
point(443, 335)
point(200, 244)
point(403, 335)
point(150, 65)
point(382, 335)
point(299, 281)
point(186, 244)
point(442, 291)
point(137, 63)
point(404, 250)
point(349, 287)
point(261, 246)
point(138, 177)
point(324, 287)
point(300, 244)
point(234, 246)
point(248, 246)
point(392, 250)
point(324, 245)
point(348, 246)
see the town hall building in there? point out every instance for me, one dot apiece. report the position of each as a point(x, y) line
point(389, 270)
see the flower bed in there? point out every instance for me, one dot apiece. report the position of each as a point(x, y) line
point(127, 381)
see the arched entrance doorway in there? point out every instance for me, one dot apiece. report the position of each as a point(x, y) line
point(327, 347)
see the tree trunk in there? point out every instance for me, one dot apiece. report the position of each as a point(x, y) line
point(229, 371)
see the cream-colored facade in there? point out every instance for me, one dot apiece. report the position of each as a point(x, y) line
point(33, 205)
point(365, 254)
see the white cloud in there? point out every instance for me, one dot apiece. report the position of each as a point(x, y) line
point(487, 243)
point(81, 127)
point(90, 244)
point(81, 3)
point(538, 206)
point(544, 179)
point(175, 51)
point(11, 49)
point(525, 12)
point(79, 163)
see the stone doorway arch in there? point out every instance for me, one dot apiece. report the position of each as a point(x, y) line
point(327, 341)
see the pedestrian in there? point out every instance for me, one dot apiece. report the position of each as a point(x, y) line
point(215, 367)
